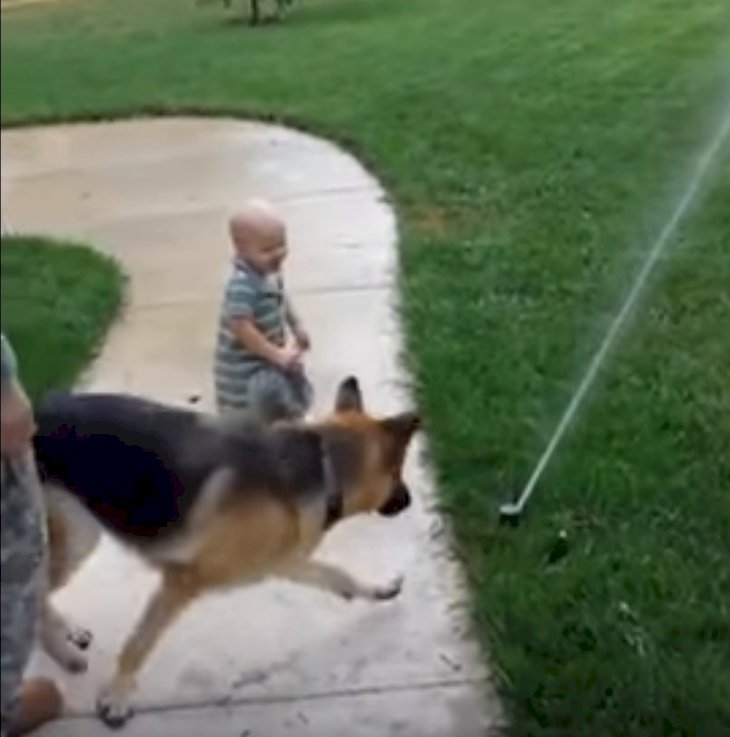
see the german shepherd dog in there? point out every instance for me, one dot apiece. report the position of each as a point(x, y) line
point(210, 503)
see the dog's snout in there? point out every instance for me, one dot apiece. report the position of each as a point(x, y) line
point(399, 500)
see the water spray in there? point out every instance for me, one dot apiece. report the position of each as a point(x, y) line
point(511, 512)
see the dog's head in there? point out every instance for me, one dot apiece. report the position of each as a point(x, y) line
point(377, 450)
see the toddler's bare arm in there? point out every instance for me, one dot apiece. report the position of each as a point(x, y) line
point(250, 337)
point(295, 325)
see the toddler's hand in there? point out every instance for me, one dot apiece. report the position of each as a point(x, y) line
point(302, 338)
point(288, 357)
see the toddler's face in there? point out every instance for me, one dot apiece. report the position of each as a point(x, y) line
point(265, 252)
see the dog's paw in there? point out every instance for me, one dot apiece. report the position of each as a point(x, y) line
point(389, 590)
point(74, 662)
point(65, 653)
point(80, 637)
point(113, 707)
point(63, 641)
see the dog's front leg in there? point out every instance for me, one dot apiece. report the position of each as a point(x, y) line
point(330, 578)
point(168, 602)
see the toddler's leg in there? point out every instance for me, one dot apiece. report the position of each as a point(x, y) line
point(280, 395)
point(268, 395)
point(302, 393)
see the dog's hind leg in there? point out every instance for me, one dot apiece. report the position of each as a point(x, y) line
point(330, 578)
point(66, 549)
point(61, 641)
point(175, 593)
point(72, 537)
point(73, 534)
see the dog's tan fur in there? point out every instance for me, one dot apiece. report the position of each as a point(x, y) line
point(238, 539)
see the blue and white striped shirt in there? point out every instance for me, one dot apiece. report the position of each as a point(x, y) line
point(259, 298)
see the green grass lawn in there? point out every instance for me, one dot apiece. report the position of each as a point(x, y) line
point(533, 149)
point(58, 301)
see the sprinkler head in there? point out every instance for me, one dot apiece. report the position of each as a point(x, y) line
point(510, 513)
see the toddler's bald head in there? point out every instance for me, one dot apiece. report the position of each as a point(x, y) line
point(258, 234)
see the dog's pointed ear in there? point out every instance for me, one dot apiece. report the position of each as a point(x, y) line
point(402, 426)
point(349, 396)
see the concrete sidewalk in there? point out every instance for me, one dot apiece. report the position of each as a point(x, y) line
point(276, 659)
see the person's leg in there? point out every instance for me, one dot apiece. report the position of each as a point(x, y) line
point(279, 395)
point(268, 395)
point(302, 393)
point(271, 395)
point(21, 557)
point(234, 416)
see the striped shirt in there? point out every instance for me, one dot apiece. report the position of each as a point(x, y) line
point(259, 298)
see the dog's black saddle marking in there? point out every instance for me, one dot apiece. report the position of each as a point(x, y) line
point(139, 466)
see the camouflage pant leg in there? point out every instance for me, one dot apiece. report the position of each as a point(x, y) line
point(21, 555)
